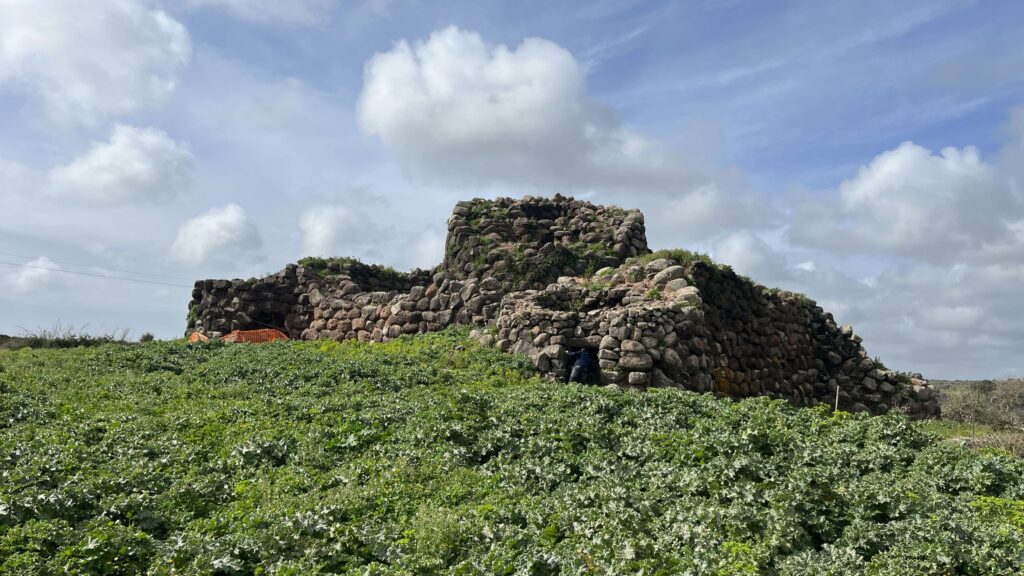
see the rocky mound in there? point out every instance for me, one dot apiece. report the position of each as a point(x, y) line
point(542, 276)
point(675, 319)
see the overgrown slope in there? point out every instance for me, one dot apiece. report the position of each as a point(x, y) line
point(430, 455)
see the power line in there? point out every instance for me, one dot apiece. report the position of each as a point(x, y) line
point(29, 266)
point(103, 267)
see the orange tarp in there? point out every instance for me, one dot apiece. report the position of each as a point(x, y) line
point(255, 336)
point(197, 337)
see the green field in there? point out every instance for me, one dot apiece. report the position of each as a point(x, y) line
point(430, 455)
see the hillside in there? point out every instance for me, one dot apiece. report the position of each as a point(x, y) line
point(430, 454)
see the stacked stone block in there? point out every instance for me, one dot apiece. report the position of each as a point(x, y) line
point(523, 271)
point(693, 325)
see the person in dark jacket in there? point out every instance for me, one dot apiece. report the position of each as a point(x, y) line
point(583, 365)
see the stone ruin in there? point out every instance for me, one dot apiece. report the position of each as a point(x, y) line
point(543, 276)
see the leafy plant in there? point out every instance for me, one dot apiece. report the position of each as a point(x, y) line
point(434, 455)
point(193, 316)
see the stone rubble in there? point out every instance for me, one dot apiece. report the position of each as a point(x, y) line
point(543, 276)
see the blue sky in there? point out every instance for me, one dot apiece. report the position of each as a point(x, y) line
point(870, 154)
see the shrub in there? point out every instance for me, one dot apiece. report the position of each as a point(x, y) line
point(680, 256)
point(434, 455)
point(997, 404)
point(61, 336)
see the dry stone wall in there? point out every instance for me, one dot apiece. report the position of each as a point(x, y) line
point(685, 323)
point(544, 276)
point(493, 247)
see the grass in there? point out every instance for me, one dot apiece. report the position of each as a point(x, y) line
point(322, 266)
point(952, 429)
point(680, 256)
point(979, 436)
point(60, 336)
point(431, 455)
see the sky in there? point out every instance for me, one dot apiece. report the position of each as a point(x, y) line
point(867, 153)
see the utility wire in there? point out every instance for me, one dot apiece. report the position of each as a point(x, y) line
point(103, 267)
point(29, 266)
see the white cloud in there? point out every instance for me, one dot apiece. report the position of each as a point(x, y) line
point(963, 320)
point(750, 255)
point(86, 61)
point(222, 234)
point(258, 110)
point(455, 109)
point(908, 201)
point(15, 178)
point(37, 274)
point(705, 213)
point(428, 249)
point(287, 11)
point(330, 230)
point(1012, 158)
point(137, 164)
point(940, 239)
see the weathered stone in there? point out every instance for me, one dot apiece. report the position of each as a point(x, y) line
point(672, 359)
point(636, 361)
point(632, 346)
point(676, 285)
point(670, 273)
point(688, 295)
point(555, 351)
point(658, 265)
point(707, 330)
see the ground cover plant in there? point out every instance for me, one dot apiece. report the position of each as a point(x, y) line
point(430, 455)
point(62, 336)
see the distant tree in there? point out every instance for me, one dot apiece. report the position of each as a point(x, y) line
point(147, 337)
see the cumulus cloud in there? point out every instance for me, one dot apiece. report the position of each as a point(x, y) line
point(750, 255)
point(909, 201)
point(287, 11)
point(37, 274)
point(136, 164)
point(960, 320)
point(1012, 158)
point(705, 213)
point(224, 234)
point(455, 109)
point(330, 230)
point(427, 250)
point(923, 253)
point(15, 178)
point(88, 61)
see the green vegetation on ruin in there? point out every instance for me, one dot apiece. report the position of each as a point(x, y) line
point(678, 255)
point(432, 455)
point(688, 258)
point(335, 265)
point(576, 259)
